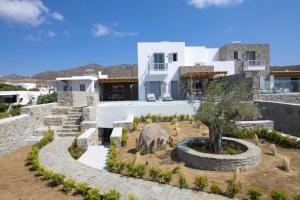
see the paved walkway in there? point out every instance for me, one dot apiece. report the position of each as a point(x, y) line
point(95, 156)
point(56, 157)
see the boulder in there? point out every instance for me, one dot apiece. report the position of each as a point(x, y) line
point(152, 138)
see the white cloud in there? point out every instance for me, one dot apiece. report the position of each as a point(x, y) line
point(99, 30)
point(206, 3)
point(56, 15)
point(32, 38)
point(51, 33)
point(29, 12)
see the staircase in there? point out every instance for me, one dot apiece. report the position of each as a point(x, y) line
point(71, 124)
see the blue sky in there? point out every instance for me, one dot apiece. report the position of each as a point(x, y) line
point(40, 35)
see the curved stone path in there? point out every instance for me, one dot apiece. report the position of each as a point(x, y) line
point(56, 157)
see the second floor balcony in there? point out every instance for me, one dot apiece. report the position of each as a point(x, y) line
point(158, 68)
point(254, 65)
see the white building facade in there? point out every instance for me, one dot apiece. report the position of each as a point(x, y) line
point(159, 65)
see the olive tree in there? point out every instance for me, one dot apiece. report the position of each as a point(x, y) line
point(224, 104)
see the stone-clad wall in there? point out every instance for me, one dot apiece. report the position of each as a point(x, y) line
point(258, 124)
point(14, 130)
point(77, 98)
point(286, 116)
point(287, 98)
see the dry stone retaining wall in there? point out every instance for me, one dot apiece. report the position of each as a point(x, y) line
point(14, 130)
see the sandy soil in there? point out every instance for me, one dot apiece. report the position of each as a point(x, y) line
point(268, 175)
point(17, 182)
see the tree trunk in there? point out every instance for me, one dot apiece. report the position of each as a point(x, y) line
point(215, 140)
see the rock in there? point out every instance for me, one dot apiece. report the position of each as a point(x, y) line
point(153, 137)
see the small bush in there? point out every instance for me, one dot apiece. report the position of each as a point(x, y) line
point(130, 169)
point(254, 193)
point(75, 151)
point(112, 195)
point(48, 98)
point(200, 182)
point(3, 107)
point(124, 137)
point(92, 194)
point(120, 167)
point(167, 176)
point(215, 188)
point(176, 170)
point(68, 186)
point(140, 170)
point(15, 110)
point(233, 188)
point(279, 195)
point(131, 196)
point(297, 197)
point(182, 181)
point(46, 174)
point(155, 174)
point(149, 121)
point(56, 179)
point(82, 189)
point(135, 123)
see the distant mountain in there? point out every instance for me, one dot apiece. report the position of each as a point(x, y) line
point(12, 77)
point(283, 68)
point(123, 70)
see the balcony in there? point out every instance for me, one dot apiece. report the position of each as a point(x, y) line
point(158, 68)
point(254, 65)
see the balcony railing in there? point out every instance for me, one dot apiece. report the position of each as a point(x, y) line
point(159, 67)
point(255, 63)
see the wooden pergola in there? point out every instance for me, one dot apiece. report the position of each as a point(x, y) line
point(285, 73)
point(203, 74)
point(119, 80)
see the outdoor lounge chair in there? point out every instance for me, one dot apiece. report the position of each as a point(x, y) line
point(151, 98)
point(167, 97)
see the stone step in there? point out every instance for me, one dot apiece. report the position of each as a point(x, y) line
point(71, 123)
point(53, 120)
point(67, 134)
point(66, 129)
point(75, 110)
point(74, 115)
point(60, 110)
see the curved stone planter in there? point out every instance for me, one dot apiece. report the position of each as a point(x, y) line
point(195, 159)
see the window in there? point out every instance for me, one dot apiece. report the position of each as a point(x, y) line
point(236, 55)
point(65, 88)
point(174, 57)
point(159, 58)
point(82, 87)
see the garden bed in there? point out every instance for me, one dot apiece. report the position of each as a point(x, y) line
point(268, 175)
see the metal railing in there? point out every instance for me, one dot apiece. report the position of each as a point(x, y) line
point(159, 67)
point(255, 63)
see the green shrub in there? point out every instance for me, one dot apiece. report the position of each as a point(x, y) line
point(68, 186)
point(82, 189)
point(46, 174)
point(75, 151)
point(182, 181)
point(15, 110)
point(233, 188)
point(124, 137)
point(176, 170)
point(215, 188)
point(3, 107)
point(131, 196)
point(140, 170)
point(48, 98)
point(297, 197)
point(279, 195)
point(35, 164)
point(181, 117)
point(135, 123)
point(254, 193)
point(120, 167)
point(155, 174)
point(200, 182)
point(130, 169)
point(167, 176)
point(92, 194)
point(56, 179)
point(8, 87)
point(112, 195)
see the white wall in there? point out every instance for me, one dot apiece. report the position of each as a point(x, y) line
point(25, 95)
point(109, 112)
point(187, 56)
point(146, 51)
point(89, 85)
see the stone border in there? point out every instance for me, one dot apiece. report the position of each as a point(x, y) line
point(195, 159)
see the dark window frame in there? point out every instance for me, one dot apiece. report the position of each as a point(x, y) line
point(236, 55)
point(174, 57)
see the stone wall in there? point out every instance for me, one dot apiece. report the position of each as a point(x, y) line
point(287, 97)
point(258, 124)
point(77, 98)
point(286, 116)
point(14, 130)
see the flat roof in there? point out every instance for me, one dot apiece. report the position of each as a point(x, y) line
point(118, 80)
point(285, 73)
point(75, 78)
